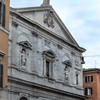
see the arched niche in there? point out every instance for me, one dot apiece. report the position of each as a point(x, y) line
point(23, 98)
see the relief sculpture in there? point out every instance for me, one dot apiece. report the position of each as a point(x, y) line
point(49, 19)
point(23, 58)
point(67, 74)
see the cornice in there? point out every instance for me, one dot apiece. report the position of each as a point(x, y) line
point(27, 9)
point(4, 30)
point(43, 87)
point(91, 70)
point(2, 53)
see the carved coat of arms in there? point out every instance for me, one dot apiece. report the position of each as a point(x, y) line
point(49, 19)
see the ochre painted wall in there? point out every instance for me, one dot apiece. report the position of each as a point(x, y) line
point(4, 43)
point(98, 86)
point(7, 2)
point(95, 85)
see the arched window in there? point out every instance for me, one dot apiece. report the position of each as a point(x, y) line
point(23, 98)
point(48, 57)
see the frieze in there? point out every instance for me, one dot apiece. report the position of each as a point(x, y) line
point(47, 43)
point(67, 55)
point(35, 33)
point(15, 24)
point(59, 47)
point(73, 53)
point(54, 44)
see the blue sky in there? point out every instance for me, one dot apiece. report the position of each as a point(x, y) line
point(82, 18)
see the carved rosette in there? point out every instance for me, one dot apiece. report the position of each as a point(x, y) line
point(47, 43)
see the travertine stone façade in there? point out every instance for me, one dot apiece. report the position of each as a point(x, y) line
point(44, 59)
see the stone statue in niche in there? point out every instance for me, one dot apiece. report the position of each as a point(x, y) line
point(76, 63)
point(23, 58)
point(49, 19)
point(66, 74)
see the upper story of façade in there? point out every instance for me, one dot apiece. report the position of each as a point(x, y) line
point(41, 50)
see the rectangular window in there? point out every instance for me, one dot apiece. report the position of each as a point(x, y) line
point(88, 79)
point(0, 11)
point(2, 14)
point(47, 68)
point(1, 75)
point(77, 79)
point(88, 91)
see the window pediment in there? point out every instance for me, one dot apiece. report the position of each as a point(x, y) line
point(2, 1)
point(2, 53)
point(25, 44)
point(67, 63)
point(49, 53)
point(1, 56)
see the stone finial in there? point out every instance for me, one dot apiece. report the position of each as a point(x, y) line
point(46, 3)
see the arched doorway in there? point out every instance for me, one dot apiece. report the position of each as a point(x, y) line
point(23, 98)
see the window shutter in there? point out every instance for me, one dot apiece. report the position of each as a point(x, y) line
point(4, 14)
point(85, 91)
point(86, 79)
point(0, 11)
point(91, 78)
point(1, 75)
point(91, 91)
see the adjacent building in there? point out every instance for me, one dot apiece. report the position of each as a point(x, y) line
point(45, 61)
point(92, 83)
point(4, 31)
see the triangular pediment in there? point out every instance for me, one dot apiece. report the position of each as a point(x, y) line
point(49, 53)
point(25, 44)
point(48, 18)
